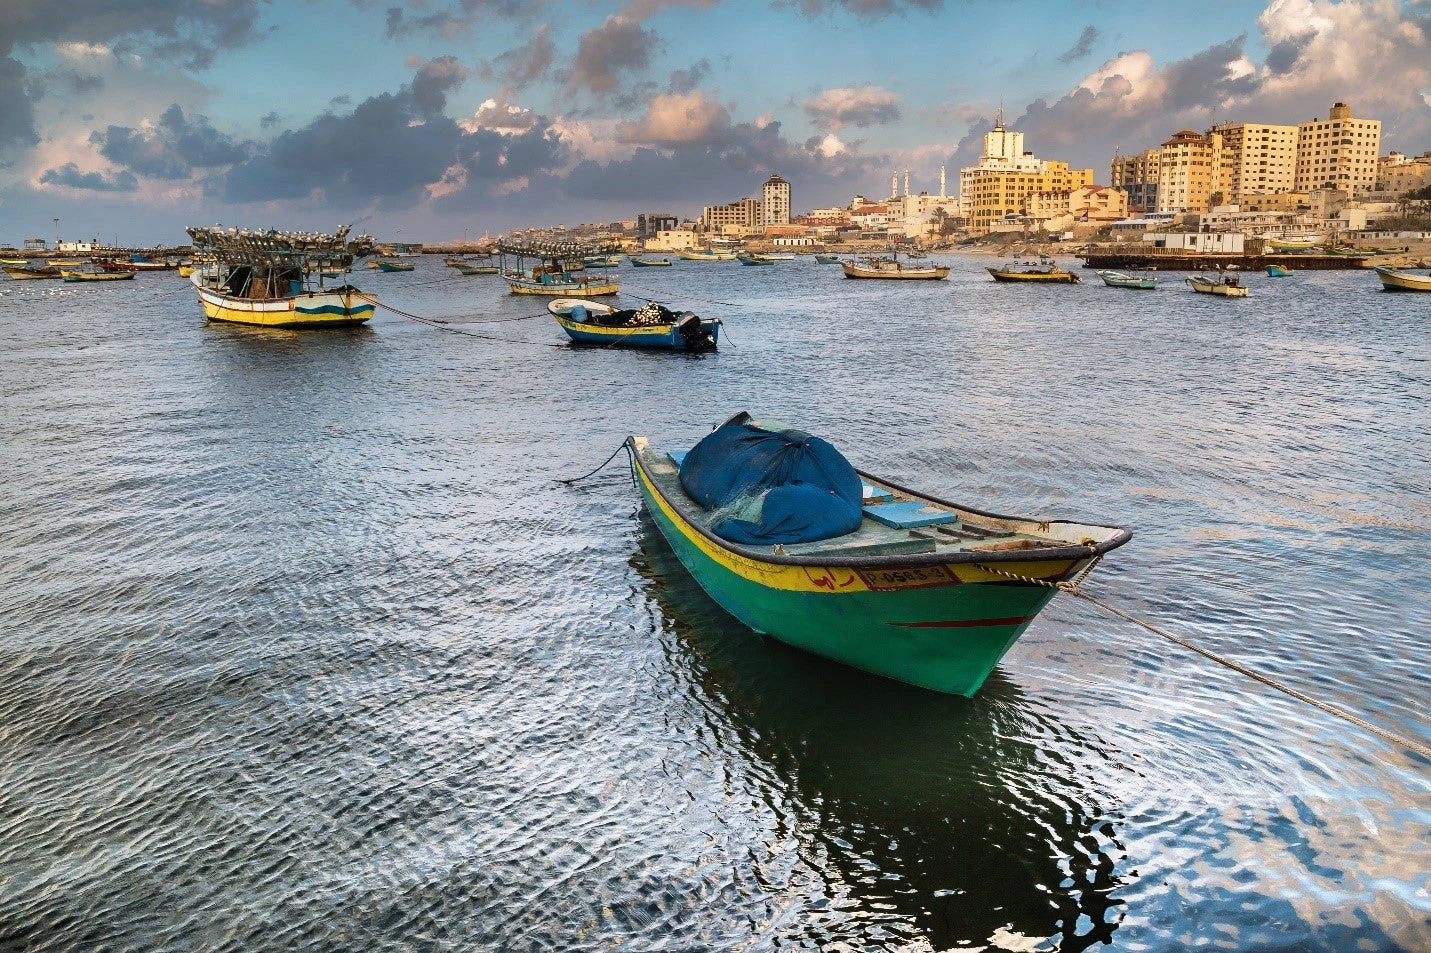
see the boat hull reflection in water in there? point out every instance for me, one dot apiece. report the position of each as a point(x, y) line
point(964, 829)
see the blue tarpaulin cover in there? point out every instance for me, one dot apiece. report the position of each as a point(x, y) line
point(810, 492)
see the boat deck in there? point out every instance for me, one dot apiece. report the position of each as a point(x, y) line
point(898, 523)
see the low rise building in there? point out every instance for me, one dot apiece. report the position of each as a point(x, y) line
point(1397, 174)
point(1197, 241)
point(742, 216)
point(672, 239)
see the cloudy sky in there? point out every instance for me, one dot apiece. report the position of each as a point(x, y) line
point(130, 118)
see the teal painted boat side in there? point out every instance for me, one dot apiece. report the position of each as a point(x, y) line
point(946, 638)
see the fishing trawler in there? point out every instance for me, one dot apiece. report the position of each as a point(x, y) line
point(276, 279)
point(557, 270)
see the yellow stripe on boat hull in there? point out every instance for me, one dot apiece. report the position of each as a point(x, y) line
point(308, 310)
point(833, 579)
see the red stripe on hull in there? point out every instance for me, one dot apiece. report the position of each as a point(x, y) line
point(965, 623)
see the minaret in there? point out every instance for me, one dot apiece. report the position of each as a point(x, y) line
point(893, 184)
point(941, 182)
point(906, 182)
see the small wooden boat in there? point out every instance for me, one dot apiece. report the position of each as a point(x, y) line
point(913, 587)
point(65, 262)
point(1229, 286)
point(14, 262)
point(704, 254)
point(827, 259)
point(68, 275)
point(26, 273)
point(1045, 270)
point(466, 269)
point(1395, 279)
point(453, 262)
point(1118, 279)
point(139, 265)
point(893, 269)
point(751, 258)
point(384, 265)
point(601, 261)
point(644, 262)
point(1278, 271)
point(778, 255)
point(650, 326)
point(558, 272)
point(185, 271)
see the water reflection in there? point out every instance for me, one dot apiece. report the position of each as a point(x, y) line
point(948, 819)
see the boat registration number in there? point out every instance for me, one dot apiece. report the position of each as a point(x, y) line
point(913, 577)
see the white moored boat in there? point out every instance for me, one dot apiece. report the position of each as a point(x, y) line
point(1394, 279)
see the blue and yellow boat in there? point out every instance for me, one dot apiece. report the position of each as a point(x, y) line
point(911, 587)
point(650, 326)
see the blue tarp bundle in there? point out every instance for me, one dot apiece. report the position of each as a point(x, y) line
point(810, 491)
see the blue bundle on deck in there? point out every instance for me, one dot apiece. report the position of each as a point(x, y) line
point(810, 491)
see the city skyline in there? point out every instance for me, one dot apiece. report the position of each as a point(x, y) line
point(464, 115)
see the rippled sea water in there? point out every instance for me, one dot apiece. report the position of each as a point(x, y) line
point(302, 647)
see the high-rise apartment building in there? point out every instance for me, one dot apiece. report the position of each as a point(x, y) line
point(1257, 158)
point(1339, 152)
point(1190, 172)
point(775, 201)
point(742, 215)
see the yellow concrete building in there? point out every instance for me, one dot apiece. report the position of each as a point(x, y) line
point(1006, 176)
point(1339, 152)
point(1190, 172)
point(1270, 202)
point(1257, 157)
point(1056, 211)
point(1399, 174)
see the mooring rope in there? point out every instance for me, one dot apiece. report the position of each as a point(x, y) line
point(1075, 589)
point(625, 445)
point(444, 326)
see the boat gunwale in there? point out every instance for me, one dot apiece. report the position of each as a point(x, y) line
point(1122, 534)
point(305, 293)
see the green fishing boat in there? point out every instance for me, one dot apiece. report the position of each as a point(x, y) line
point(800, 546)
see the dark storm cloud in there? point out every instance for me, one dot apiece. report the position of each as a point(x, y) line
point(173, 149)
point(1282, 58)
point(70, 176)
point(434, 80)
point(605, 52)
point(178, 30)
point(17, 117)
point(525, 64)
point(1081, 48)
point(175, 30)
point(269, 120)
point(388, 149)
